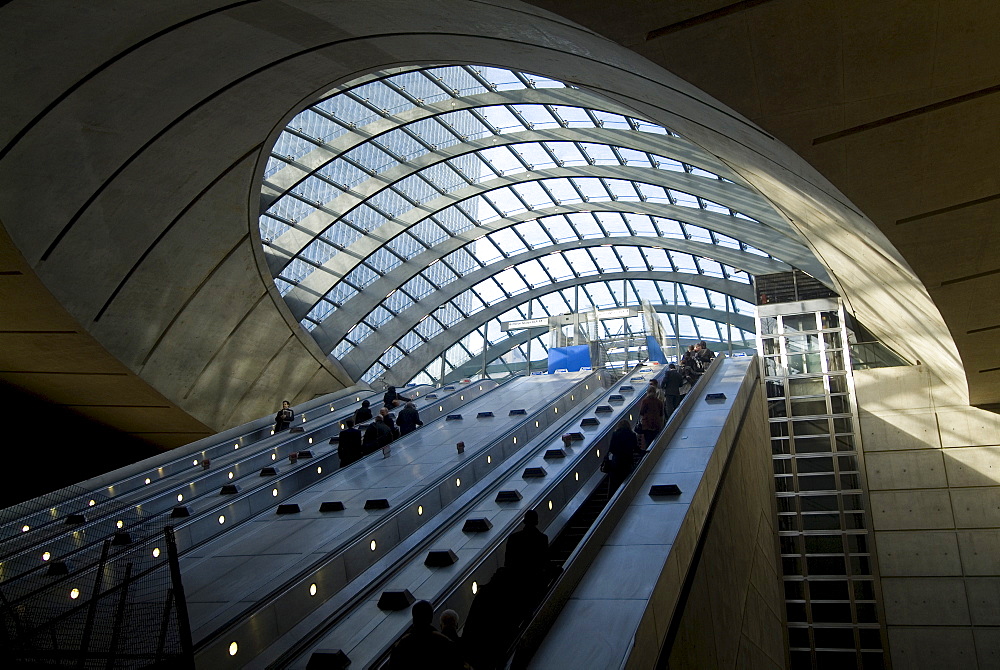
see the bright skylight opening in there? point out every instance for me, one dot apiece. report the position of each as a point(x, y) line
point(421, 194)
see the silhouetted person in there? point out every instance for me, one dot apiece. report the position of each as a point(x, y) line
point(363, 413)
point(390, 420)
point(690, 366)
point(349, 444)
point(651, 416)
point(409, 419)
point(655, 385)
point(527, 562)
point(423, 647)
point(621, 454)
point(377, 435)
point(688, 358)
point(392, 399)
point(492, 622)
point(448, 623)
point(672, 382)
point(704, 355)
point(284, 417)
point(527, 549)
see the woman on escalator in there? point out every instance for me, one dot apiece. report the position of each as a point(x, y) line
point(651, 416)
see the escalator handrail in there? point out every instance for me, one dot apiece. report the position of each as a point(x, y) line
point(581, 559)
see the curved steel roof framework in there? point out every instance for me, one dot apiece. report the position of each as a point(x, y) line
point(406, 215)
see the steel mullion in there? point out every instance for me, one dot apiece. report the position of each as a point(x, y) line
point(600, 223)
point(548, 192)
point(586, 155)
point(618, 256)
point(520, 237)
point(548, 273)
point(528, 167)
point(555, 159)
point(512, 188)
point(491, 203)
point(475, 74)
point(524, 80)
point(579, 191)
point(517, 269)
point(528, 125)
point(611, 195)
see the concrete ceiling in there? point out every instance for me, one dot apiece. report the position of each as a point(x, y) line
point(46, 352)
point(133, 137)
point(895, 102)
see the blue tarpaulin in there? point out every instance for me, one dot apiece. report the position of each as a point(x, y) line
point(569, 358)
point(655, 352)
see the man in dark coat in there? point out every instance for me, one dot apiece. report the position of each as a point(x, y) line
point(363, 413)
point(409, 419)
point(527, 549)
point(527, 557)
point(423, 646)
point(284, 416)
point(690, 366)
point(349, 444)
point(392, 399)
point(704, 354)
point(526, 563)
point(492, 622)
point(377, 435)
point(672, 382)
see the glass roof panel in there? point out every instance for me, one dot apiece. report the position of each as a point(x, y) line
point(344, 108)
point(536, 155)
point(558, 266)
point(428, 327)
point(381, 96)
point(507, 241)
point(615, 224)
point(292, 146)
point(532, 233)
point(582, 262)
point(562, 190)
point(684, 262)
point(418, 287)
point(429, 232)
point(657, 259)
point(535, 117)
point(575, 117)
point(635, 158)
point(684, 199)
point(602, 295)
point(601, 154)
point(559, 228)
point(610, 119)
point(632, 258)
point(490, 292)
point(586, 226)
point(534, 273)
point(402, 142)
point(607, 259)
point(568, 153)
point(502, 118)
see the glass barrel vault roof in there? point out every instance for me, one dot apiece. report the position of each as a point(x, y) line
point(407, 214)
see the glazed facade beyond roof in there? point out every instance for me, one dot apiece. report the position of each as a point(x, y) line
point(407, 215)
